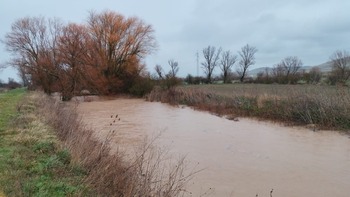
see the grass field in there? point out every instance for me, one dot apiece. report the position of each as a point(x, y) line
point(326, 107)
point(33, 162)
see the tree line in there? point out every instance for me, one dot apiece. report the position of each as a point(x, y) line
point(226, 60)
point(290, 71)
point(287, 71)
point(103, 55)
point(213, 58)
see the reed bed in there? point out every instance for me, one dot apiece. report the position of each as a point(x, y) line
point(325, 107)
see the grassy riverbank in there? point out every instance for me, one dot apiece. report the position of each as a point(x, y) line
point(33, 161)
point(325, 107)
point(45, 150)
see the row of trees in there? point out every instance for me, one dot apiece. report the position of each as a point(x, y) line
point(226, 60)
point(284, 72)
point(288, 71)
point(169, 79)
point(104, 55)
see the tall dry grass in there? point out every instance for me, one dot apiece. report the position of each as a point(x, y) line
point(149, 172)
point(323, 106)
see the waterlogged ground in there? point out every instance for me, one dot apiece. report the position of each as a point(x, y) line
point(242, 158)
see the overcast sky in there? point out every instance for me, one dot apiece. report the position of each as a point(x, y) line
point(309, 29)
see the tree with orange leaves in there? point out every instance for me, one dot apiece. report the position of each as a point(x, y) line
point(103, 56)
point(73, 50)
point(118, 44)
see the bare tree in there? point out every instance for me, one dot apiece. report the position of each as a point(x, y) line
point(247, 59)
point(226, 63)
point(278, 73)
point(72, 50)
point(211, 56)
point(159, 70)
point(341, 64)
point(32, 43)
point(174, 68)
point(287, 70)
point(291, 65)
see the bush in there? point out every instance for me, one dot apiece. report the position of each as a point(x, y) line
point(141, 87)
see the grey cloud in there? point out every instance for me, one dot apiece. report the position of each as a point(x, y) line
point(311, 29)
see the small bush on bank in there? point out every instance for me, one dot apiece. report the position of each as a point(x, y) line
point(142, 87)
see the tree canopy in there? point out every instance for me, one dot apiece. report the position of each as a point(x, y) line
point(104, 55)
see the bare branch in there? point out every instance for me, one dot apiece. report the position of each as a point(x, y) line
point(287, 70)
point(159, 70)
point(211, 56)
point(341, 64)
point(174, 68)
point(247, 59)
point(226, 63)
point(291, 65)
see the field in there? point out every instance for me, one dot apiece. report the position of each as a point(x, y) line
point(323, 107)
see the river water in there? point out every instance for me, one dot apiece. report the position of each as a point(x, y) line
point(238, 158)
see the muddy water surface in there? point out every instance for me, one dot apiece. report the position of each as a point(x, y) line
point(242, 158)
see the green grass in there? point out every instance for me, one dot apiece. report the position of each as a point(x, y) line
point(32, 160)
point(8, 103)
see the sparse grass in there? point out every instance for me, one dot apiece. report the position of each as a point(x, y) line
point(326, 107)
point(33, 162)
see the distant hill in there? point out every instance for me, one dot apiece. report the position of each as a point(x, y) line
point(325, 67)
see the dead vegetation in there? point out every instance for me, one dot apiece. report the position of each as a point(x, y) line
point(323, 106)
point(150, 172)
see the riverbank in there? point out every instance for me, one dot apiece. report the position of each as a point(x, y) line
point(46, 150)
point(236, 158)
point(317, 107)
point(33, 161)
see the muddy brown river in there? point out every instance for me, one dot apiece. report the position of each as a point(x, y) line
point(238, 158)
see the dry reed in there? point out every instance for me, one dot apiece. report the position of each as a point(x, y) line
point(324, 107)
point(148, 173)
